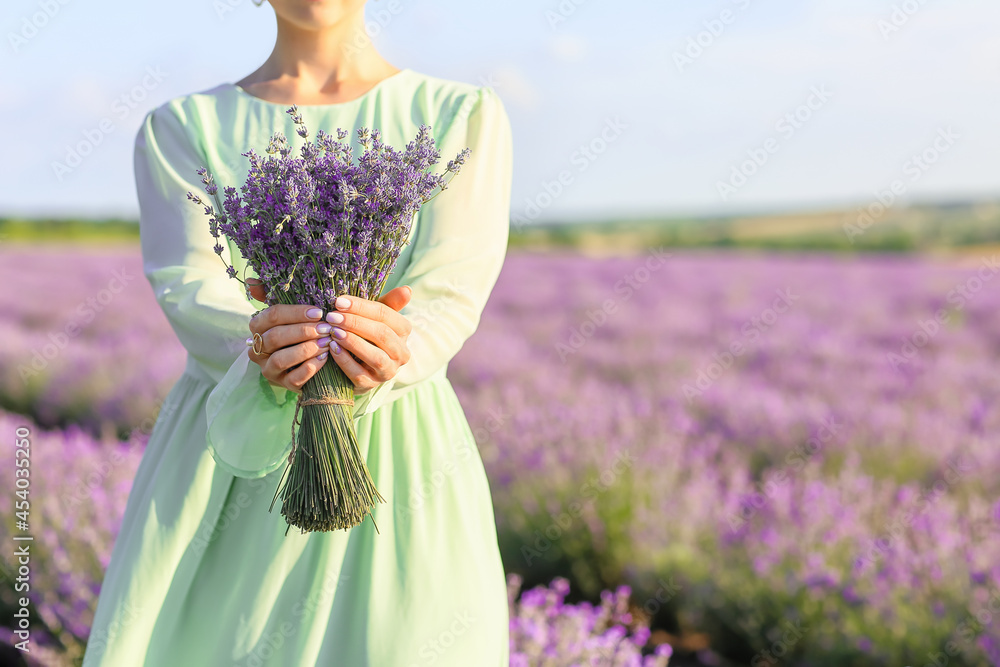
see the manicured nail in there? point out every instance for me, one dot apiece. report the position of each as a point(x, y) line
point(314, 313)
point(322, 356)
point(339, 333)
point(324, 341)
point(342, 302)
point(334, 318)
point(335, 348)
point(323, 327)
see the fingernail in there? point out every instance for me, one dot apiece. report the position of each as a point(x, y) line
point(342, 302)
point(335, 348)
point(322, 356)
point(314, 313)
point(339, 333)
point(323, 327)
point(324, 341)
point(335, 318)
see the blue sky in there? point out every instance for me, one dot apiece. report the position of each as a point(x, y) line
point(712, 107)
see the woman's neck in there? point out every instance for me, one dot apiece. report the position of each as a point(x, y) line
point(335, 64)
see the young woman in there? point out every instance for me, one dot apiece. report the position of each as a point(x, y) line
point(202, 573)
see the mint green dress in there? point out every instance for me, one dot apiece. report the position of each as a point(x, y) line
point(202, 573)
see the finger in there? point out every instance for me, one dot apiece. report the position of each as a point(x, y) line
point(362, 377)
point(378, 334)
point(371, 310)
point(375, 360)
point(288, 335)
point(292, 355)
point(397, 298)
point(296, 378)
point(259, 359)
point(257, 290)
point(280, 314)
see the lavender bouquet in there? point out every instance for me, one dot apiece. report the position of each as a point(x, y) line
point(315, 226)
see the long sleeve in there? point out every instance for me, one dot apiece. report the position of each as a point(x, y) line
point(459, 249)
point(206, 308)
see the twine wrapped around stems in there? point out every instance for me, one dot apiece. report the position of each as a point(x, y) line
point(330, 488)
point(326, 399)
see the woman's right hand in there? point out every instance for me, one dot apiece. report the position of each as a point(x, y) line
point(295, 344)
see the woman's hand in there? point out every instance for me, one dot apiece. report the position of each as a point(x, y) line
point(296, 342)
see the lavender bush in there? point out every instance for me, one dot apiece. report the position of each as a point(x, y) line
point(315, 227)
point(813, 486)
point(79, 485)
point(546, 632)
point(76, 316)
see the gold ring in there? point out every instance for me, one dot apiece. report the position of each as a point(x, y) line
point(258, 339)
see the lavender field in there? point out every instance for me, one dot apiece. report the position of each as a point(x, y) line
point(744, 459)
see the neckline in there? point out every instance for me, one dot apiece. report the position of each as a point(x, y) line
point(331, 105)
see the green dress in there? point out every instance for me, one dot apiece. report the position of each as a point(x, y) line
point(202, 573)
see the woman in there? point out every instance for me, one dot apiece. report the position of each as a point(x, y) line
point(202, 573)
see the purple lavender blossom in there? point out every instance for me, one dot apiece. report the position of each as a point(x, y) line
point(318, 224)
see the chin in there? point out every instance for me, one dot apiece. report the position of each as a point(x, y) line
point(316, 14)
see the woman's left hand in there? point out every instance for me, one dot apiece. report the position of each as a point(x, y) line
point(373, 331)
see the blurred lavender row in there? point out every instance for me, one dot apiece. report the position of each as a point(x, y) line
point(795, 455)
point(85, 342)
point(785, 458)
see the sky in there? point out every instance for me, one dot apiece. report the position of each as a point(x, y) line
point(643, 109)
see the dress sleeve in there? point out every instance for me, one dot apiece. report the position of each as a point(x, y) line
point(248, 419)
point(459, 247)
point(205, 308)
